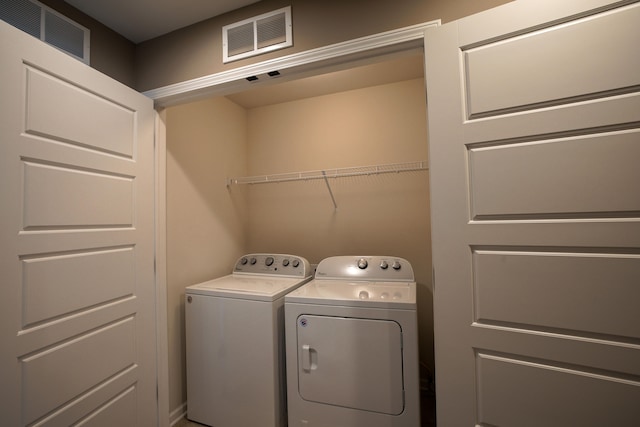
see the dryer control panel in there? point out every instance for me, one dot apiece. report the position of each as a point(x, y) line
point(366, 268)
point(273, 264)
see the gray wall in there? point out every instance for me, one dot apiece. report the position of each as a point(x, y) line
point(196, 51)
point(111, 53)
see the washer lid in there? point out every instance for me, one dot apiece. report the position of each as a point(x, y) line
point(260, 288)
point(356, 294)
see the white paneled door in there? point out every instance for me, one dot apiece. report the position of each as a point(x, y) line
point(534, 116)
point(77, 296)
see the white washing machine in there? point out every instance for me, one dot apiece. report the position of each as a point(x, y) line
point(235, 342)
point(352, 345)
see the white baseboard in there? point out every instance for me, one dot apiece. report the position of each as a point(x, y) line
point(177, 414)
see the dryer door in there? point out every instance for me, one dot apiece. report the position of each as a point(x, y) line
point(350, 362)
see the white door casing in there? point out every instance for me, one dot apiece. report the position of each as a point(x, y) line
point(534, 132)
point(77, 293)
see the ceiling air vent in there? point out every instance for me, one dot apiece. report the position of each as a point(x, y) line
point(260, 34)
point(48, 25)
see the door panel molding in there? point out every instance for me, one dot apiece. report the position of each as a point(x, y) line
point(77, 275)
point(535, 221)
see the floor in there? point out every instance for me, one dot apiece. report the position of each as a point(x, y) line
point(428, 414)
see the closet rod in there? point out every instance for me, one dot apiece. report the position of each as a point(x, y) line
point(330, 173)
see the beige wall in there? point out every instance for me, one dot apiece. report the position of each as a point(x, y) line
point(206, 223)
point(376, 215)
point(196, 51)
point(111, 53)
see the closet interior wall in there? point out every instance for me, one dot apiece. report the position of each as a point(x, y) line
point(206, 224)
point(385, 214)
point(210, 224)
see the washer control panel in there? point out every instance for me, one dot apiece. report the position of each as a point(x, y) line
point(274, 264)
point(367, 268)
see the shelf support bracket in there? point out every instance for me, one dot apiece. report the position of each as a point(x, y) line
point(326, 181)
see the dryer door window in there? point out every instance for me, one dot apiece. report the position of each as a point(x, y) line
point(349, 362)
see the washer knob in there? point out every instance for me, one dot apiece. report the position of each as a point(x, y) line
point(362, 263)
point(285, 262)
point(384, 265)
point(253, 261)
point(396, 265)
point(244, 260)
point(269, 261)
point(295, 263)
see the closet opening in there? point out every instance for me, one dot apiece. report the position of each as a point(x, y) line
point(369, 112)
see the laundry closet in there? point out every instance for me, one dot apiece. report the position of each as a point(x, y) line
point(323, 124)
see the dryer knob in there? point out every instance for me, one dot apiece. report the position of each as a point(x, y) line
point(285, 262)
point(269, 261)
point(384, 265)
point(295, 263)
point(244, 260)
point(362, 263)
point(253, 261)
point(396, 265)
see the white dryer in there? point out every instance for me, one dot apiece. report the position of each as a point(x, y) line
point(235, 342)
point(352, 345)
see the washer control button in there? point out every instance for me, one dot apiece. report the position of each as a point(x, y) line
point(285, 262)
point(396, 265)
point(384, 264)
point(269, 261)
point(362, 263)
point(295, 263)
point(244, 260)
point(363, 295)
point(252, 261)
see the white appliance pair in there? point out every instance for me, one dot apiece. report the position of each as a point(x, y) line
point(351, 344)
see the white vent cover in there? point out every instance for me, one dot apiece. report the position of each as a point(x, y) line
point(260, 34)
point(48, 25)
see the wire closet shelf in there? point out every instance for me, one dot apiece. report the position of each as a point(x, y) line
point(330, 173)
point(325, 174)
